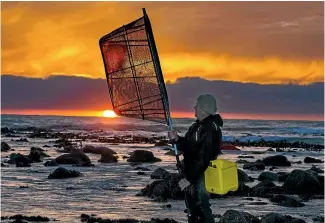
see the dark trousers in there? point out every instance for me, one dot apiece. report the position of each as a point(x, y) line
point(197, 200)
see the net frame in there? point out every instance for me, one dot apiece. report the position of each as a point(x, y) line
point(136, 108)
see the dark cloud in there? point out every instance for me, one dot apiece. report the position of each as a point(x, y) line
point(66, 92)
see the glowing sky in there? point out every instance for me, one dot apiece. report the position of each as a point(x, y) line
point(261, 42)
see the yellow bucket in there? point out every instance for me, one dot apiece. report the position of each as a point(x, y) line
point(221, 177)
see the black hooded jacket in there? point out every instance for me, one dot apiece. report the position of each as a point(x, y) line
point(200, 145)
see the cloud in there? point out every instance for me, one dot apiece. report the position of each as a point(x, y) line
point(208, 39)
point(66, 92)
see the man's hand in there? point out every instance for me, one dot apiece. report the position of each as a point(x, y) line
point(172, 135)
point(183, 183)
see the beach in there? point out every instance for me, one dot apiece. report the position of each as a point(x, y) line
point(115, 190)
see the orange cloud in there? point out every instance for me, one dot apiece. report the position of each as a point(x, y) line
point(41, 39)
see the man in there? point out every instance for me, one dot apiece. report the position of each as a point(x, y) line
point(200, 145)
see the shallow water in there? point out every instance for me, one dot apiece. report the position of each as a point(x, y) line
point(108, 190)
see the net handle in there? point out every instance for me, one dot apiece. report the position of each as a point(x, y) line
point(154, 54)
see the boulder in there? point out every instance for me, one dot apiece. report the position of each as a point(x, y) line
point(76, 156)
point(5, 147)
point(143, 156)
point(246, 157)
point(242, 176)
point(19, 159)
point(316, 169)
point(312, 160)
point(268, 176)
point(243, 190)
point(282, 176)
point(278, 218)
point(51, 163)
point(159, 173)
point(254, 166)
point(97, 150)
point(287, 200)
point(233, 216)
point(277, 160)
point(107, 157)
point(61, 173)
point(301, 182)
point(161, 190)
point(242, 161)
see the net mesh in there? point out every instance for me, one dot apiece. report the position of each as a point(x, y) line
point(130, 72)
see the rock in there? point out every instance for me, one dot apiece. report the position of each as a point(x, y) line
point(46, 146)
point(36, 154)
point(107, 157)
point(170, 153)
point(258, 203)
point(246, 157)
point(92, 219)
point(268, 176)
point(278, 218)
point(164, 189)
point(6, 130)
point(233, 216)
point(125, 157)
point(270, 150)
point(161, 143)
point(242, 176)
point(51, 163)
point(278, 150)
point(229, 147)
point(266, 188)
point(277, 160)
point(19, 158)
point(97, 150)
point(20, 218)
point(242, 161)
point(3, 165)
point(21, 140)
point(257, 152)
point(318, 219)
point(5, 147)
point(297, 162)
point(254, 166)
point(282, 176)
point(76, 156)
point(143, 156)
point(142, 168)
point(265, 183)
point(272, 168)
point(301, 182)
point(141, 173)
point(316, 169)
point(159, 173)
point(287, 201)
point(267, 192)
point(61, 173)
point(312, 160)
point(243, 190)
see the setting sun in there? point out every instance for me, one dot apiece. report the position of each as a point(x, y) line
point(109, 114)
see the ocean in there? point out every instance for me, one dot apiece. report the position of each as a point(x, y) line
point(109, 190)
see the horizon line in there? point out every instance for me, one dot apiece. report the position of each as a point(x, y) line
point(177, 115)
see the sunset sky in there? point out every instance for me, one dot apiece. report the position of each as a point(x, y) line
point(258, 42)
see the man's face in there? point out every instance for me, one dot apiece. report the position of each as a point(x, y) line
point(196, 109)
